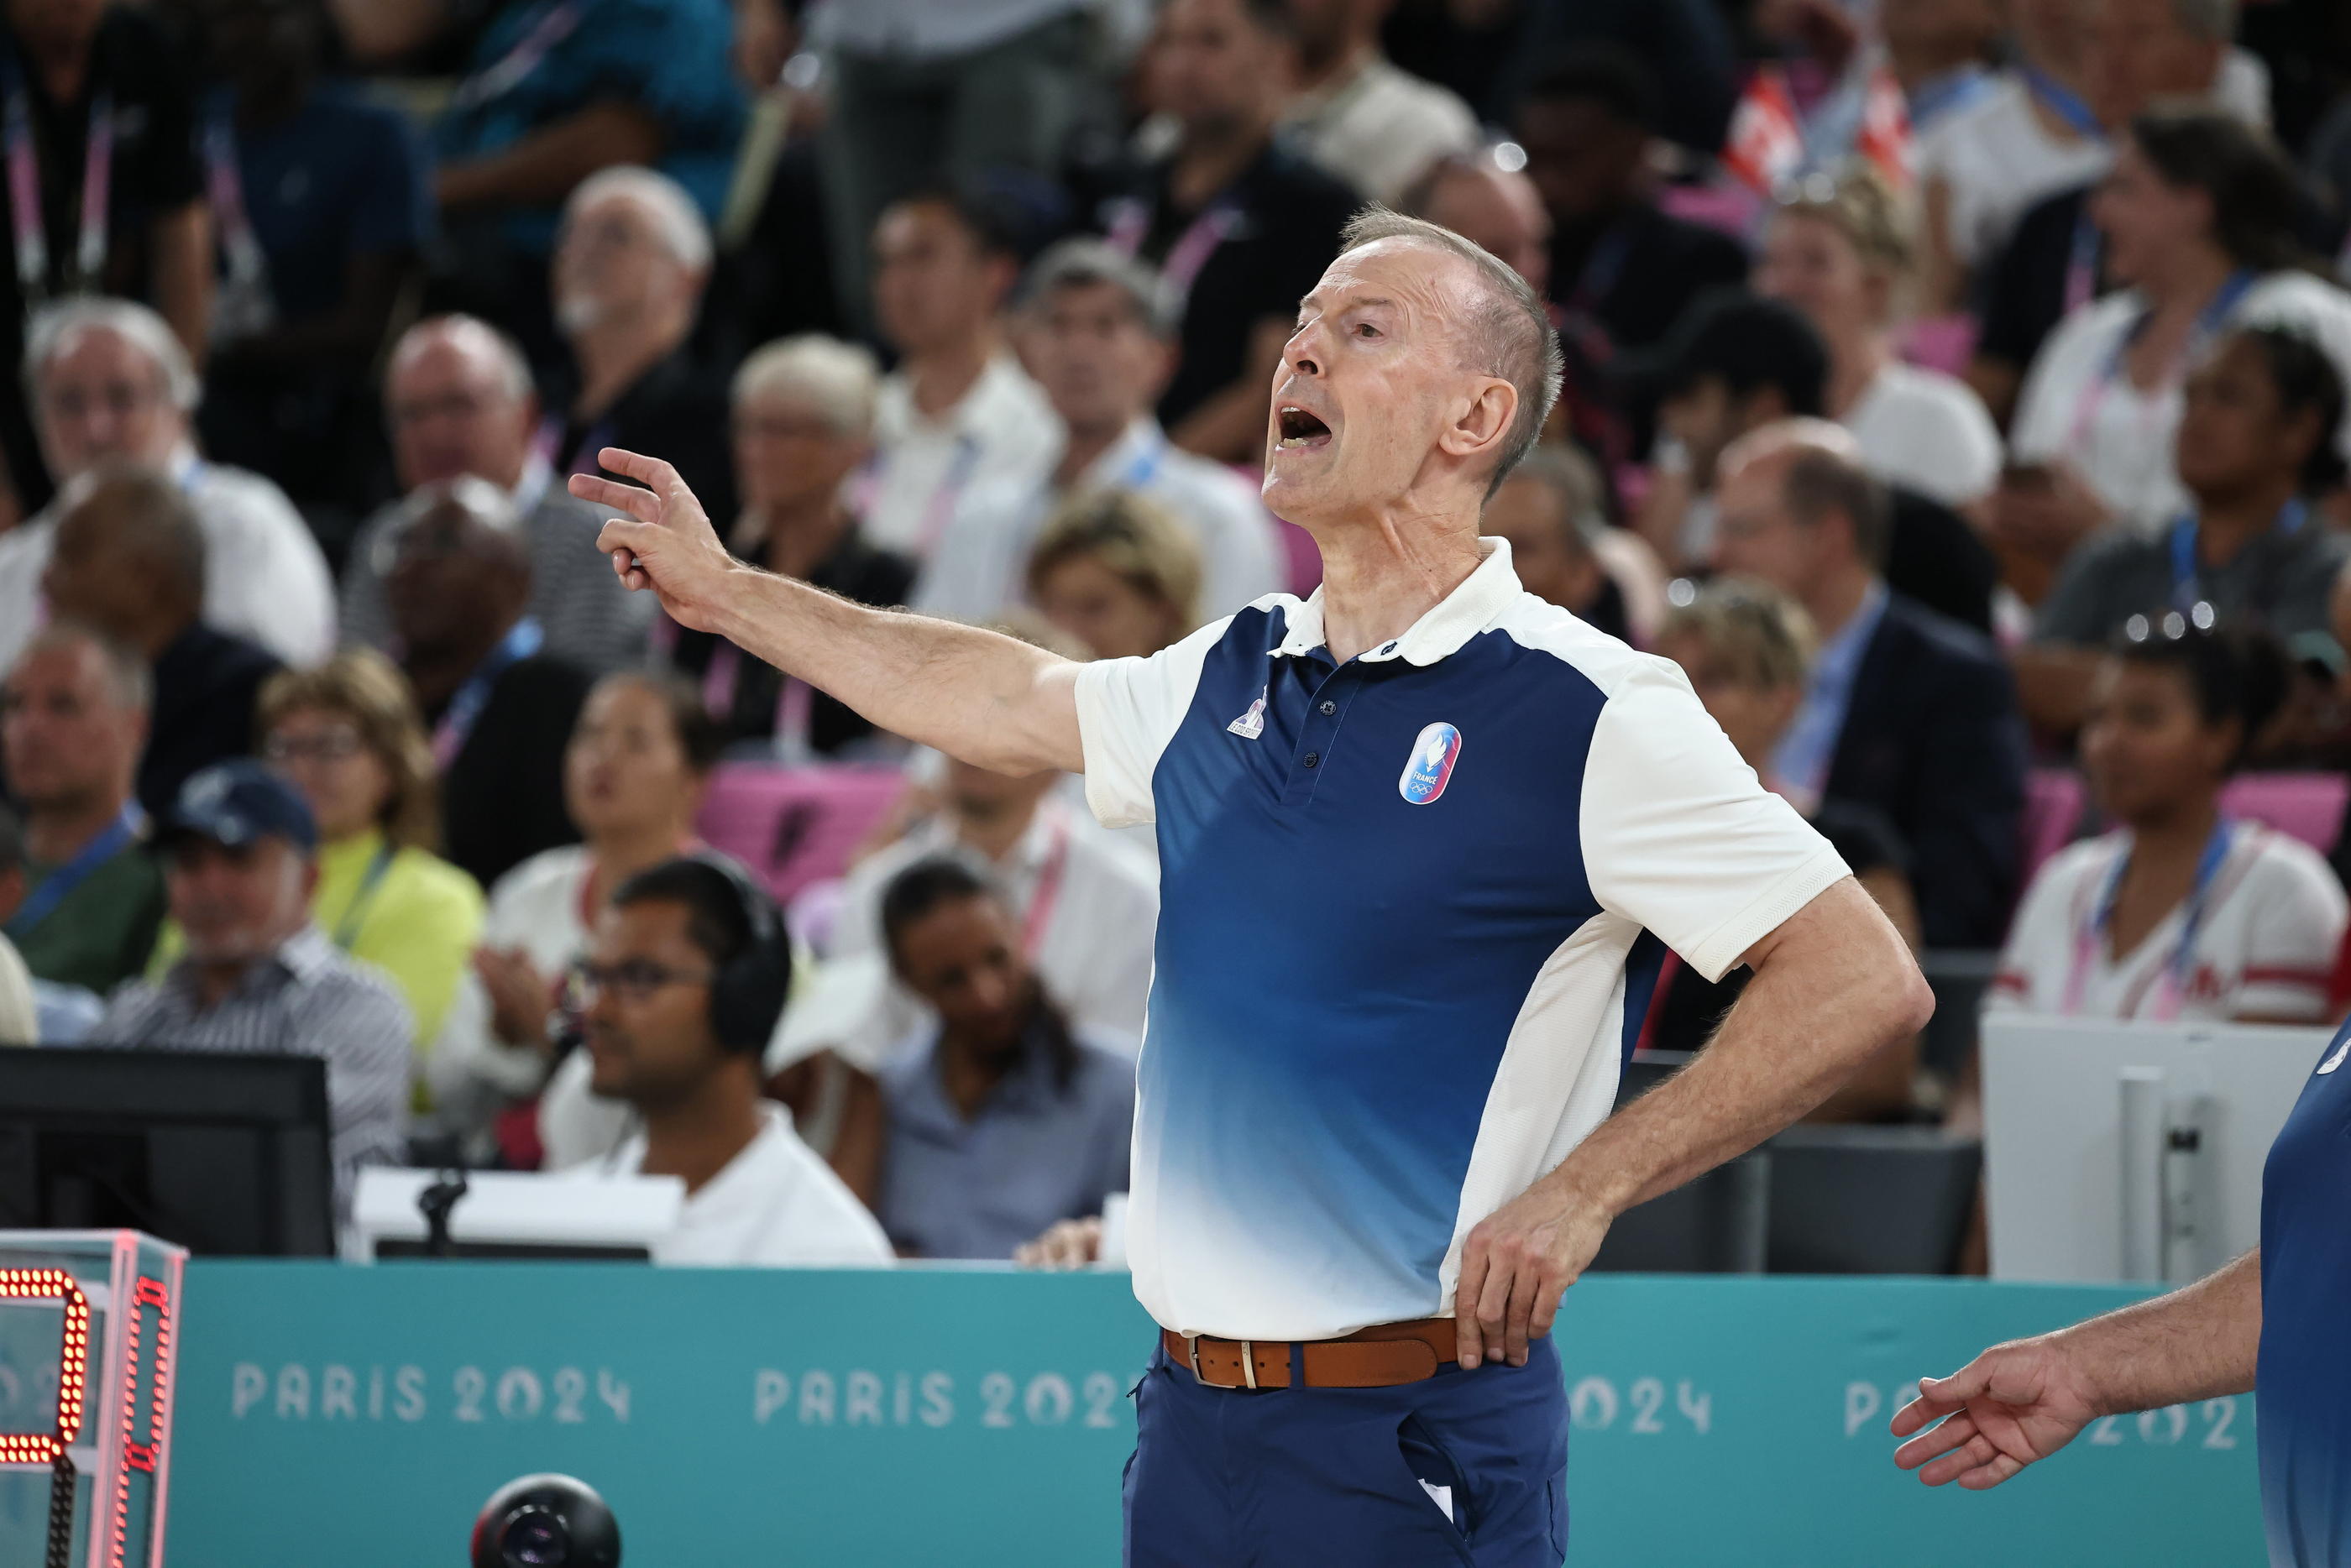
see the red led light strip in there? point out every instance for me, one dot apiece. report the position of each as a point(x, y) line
point(137, 1455)
point(73, 1363)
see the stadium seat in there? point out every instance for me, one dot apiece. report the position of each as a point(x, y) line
point(2308, 806)
point(1869, 1199)
point(1713, 1226)
point(793, 827)
point(2054, 798)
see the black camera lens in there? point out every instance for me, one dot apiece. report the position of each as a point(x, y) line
point(535, 1538)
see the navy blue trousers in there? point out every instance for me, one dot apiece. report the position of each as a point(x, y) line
point(1297, 1478)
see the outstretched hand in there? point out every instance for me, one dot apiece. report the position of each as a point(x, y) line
point(664, 541)
point(2015, 1404)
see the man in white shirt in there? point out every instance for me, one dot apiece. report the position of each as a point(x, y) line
point(459, 400)
point(685, 982)
point(1099, 332)
point(959, 413)
point(1373, 125)
point(110, 382)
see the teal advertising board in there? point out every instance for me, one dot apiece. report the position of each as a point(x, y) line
point(978, 1418)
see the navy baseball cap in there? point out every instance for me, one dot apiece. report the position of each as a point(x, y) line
point(236, 803)
point(1743, 338)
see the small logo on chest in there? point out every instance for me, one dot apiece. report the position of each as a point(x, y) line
point(2337, 1060)
point(1430, 767)
point(1251, 724)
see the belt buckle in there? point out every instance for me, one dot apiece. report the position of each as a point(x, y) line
point(1249, 1361)
point(1192, 1343)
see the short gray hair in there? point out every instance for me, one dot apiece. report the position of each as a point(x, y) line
point(682, 226)
point(2214, 21)
point(127, 675)
point(840, 380)
point(1509, 328)
point(514, 369)
point(1823, 475)
point(1083, 263)
point(56, 326)
point(1574, 483)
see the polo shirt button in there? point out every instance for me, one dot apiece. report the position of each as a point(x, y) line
point(1313, 757)
point(1330, 707)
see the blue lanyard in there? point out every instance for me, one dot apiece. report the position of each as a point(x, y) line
point(2207, 867)
point(1145, 465)
point(1948, 93)
point(347, 930)
point(2062, 101)
point(457, 719)
point(59, 884)
point(2187, 588)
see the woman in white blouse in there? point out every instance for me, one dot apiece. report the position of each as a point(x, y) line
point(2179, 913)
point(2197, 217)
point(1841, 249)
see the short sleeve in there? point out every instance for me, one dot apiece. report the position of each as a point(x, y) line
point(2076, 613)
point(2298, 920)
point(1680, 835)
point(1128, 709)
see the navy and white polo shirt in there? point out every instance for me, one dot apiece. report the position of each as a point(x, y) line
point(1400, 955)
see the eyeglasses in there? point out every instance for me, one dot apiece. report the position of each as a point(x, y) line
point(634, 981)
point(334, 746)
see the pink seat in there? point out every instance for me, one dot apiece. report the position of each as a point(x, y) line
point(793, 827)
point(1944, 343)
point(2053, 805)
point(2308, 806)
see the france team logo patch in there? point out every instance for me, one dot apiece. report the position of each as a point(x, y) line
point(1430, 767)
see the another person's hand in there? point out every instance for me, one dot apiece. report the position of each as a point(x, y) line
point(520, 997)
point(1070, 1244)
point(2015, 1404)
point(1516, 1263)
point(664, 542)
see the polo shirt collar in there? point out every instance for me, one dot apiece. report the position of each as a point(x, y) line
point(1480, 600)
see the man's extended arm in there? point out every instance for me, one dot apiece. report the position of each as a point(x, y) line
point(1833, 984)
point(975, 695)
point(2026, 1399)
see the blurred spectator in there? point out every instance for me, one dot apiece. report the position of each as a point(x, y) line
point(459, 398)
point(1839, 249)
point(131, 560)
point(83, 72)
point(110, 382)
point(1356, 114)
point(2025, 133)
point(2255, 447)
point(2137, 54)
point(682, 990)
point(958, 410)
point(458, 586)
point(2179, 913)
point(633, 771)
point(1489, 205)
point(1687, 44)
point(322, 204)
point(1112, 570)
point(347, 737)
point(32, 1012)
point(1097, 333)
point(1937, 50)
point(803, 424)
point(1748, 651)
point(1240, 227)
point(1549, 511)
point(556, 90)
point(1908, 714)
point(1005, 1120)
point(2198, 215)
point(630, 264)
point(1618, 261)
point(73, 718)
point(924, 93)
point(239, 863)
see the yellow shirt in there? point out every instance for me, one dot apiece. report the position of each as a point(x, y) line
point(418, 922)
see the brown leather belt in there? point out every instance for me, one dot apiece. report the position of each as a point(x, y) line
point(1380, 1356)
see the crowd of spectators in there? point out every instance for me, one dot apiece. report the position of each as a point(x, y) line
point(1956, 391)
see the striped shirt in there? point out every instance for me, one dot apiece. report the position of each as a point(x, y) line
point(305, 1000)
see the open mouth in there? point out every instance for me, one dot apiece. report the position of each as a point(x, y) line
point(1298, 429)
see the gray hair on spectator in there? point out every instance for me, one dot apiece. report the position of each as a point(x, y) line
point(514, 369)
point(840, 380)
point(682, 227)
point(2214, 21)
point(1509, 330)
point(55, 327)
point(1824, 476)
point(1575, 483)
point(127, 675)
point(1083, 263)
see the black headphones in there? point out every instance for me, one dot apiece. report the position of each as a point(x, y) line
point(747, 993)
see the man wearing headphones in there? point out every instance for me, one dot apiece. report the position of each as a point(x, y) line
point(683, 987)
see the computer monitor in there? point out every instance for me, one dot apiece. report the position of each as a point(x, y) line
point(224, 1155)
point(2131, 1151)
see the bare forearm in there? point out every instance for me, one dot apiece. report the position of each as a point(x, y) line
point(2198, 1343)
point(1836, 986)
point(974, 695)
